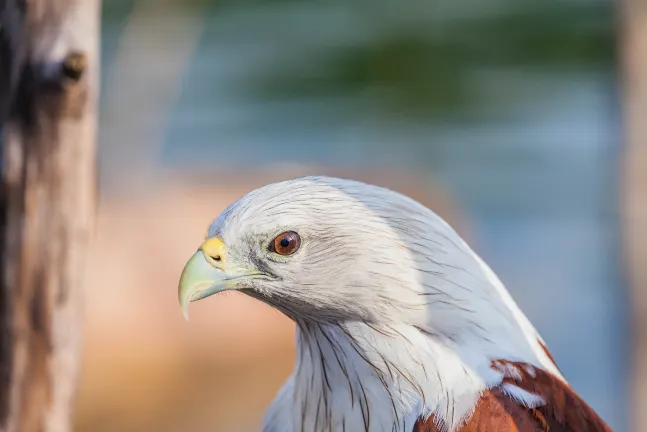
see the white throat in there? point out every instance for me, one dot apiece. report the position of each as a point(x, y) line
point(357, 376)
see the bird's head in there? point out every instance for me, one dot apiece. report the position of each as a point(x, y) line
point(327, 249)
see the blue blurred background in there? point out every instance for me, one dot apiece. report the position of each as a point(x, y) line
point(501, 115)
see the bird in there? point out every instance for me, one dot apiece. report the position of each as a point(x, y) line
point(400, 325)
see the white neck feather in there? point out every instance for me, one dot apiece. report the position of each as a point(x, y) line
point(354, 377)
point(357, 376)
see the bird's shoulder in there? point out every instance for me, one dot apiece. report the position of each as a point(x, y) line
point(497, 410)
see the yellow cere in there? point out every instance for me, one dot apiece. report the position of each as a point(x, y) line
point(214, 251)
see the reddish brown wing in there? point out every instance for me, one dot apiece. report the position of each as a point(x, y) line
point(495, 411)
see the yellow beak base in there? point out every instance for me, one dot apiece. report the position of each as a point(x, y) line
point(203, 275)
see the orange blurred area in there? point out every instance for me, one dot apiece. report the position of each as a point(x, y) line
point(144, 367)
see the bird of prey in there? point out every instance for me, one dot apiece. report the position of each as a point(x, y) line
point(400, 326)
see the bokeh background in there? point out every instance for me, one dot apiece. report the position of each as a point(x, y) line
point(501, 115)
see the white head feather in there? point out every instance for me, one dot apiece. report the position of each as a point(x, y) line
point(396, 316)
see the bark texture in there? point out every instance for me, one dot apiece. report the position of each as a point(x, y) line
point(48, 90)
point(633, 45)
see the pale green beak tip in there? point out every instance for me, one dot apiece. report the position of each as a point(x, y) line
point(185, 310)
point(199, 280)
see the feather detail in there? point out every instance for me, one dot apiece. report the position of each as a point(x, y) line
point(499, 410)
point(548, 354)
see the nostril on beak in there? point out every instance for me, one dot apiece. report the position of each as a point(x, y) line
point(215, 257)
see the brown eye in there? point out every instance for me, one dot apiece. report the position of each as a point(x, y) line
point(286, 243)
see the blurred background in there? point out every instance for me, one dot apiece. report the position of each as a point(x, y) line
point(502, 116)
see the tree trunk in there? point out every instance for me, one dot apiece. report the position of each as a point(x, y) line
point(634, 170)
point(48, 90)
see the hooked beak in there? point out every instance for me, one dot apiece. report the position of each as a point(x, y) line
point(206, 273)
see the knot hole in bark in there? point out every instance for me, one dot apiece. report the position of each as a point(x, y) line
point(74, 65)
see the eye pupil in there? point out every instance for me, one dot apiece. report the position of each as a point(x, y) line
point(286, 243)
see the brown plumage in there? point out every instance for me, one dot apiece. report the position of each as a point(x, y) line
point(564, 410)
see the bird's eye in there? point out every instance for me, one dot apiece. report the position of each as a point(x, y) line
point(286, 243)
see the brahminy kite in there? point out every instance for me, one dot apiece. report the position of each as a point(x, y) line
point(400, 326)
